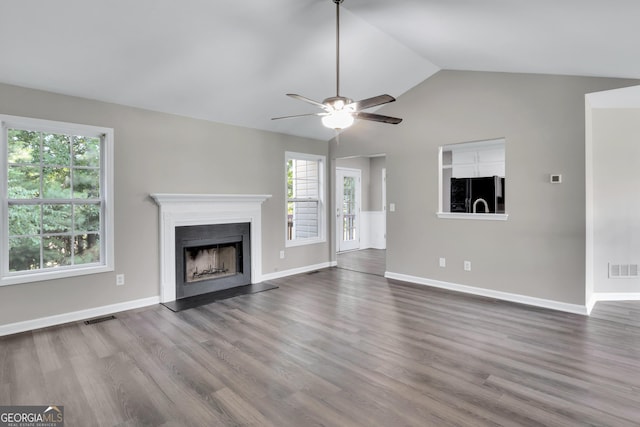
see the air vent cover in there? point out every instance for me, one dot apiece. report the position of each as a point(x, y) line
point(623, 271)
point(99, 320)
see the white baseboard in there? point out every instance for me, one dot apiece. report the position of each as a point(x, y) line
point(591, 302)
point(58, 319)
point(299, 270)
point(506, 296)
point(611, 296)
point(616, 296)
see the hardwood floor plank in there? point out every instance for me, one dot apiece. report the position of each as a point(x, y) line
point(560, 404)
point(336, 348)
point(23, 367)
point(63, 385)
point(240, 410)
point(370, 261)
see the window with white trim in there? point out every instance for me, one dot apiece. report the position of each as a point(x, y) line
point(305, 204)
point(56, 215)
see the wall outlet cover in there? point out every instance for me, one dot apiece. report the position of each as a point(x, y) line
point(467, 266)
point(443, 262)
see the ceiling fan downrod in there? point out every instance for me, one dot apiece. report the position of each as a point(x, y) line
point(339, 112)
point(338, 2)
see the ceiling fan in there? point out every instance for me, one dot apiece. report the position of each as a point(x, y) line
point(340, 112)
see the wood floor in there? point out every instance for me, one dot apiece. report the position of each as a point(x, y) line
point(336, 348)
point(372, 261)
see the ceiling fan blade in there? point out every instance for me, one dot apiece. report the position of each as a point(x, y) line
point(372, 102)
point(377, 118)
point(298, 115)
point(307, 100)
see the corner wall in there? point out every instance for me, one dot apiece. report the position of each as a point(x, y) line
point(159, 153)
point(616, 182)
point(539, 252)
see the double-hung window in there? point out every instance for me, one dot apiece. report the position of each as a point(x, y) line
point(56, 184)
point(305, 199)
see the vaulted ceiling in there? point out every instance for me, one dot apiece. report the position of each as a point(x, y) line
point(233, 61)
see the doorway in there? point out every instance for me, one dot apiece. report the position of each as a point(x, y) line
point(348, 193)
point(360, 209)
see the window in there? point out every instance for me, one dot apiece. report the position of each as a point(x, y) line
point(472, 180)
point(56, 213)
point(305, 192)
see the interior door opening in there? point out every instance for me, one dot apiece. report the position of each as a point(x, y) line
point(360, 234)
point(348, 208)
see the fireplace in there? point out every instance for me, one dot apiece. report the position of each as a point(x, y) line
point(184, 210)
point(212, 257)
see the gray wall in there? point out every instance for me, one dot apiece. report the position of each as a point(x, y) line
point(616, 184)
point(371, 168)
point(375, 187)
point(162, 153)
point(540, 250)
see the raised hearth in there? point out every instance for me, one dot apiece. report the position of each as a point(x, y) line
point(181, 210)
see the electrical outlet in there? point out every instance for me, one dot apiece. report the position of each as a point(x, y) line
point(467, 266)
point(443, 262)
point(392, 207)
point(281, 254)
point(119, 279)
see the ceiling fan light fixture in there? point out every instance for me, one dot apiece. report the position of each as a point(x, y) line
point(339, 119)
point(340, 112)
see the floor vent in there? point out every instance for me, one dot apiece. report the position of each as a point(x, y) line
point(99, 320)
point(623, 271)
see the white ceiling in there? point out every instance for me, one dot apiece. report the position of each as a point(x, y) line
point(233, 61)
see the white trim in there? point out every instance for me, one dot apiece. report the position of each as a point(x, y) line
point(611, 296)
point(615, 296)
point(372, 230)
point(589, 208)
point(343, 246)
point(322, 210)
point(303, 242)
point(51, 274)
point(591, 302)
point(299, 270)
point(107, 172)
point(506, 296)
point(479, 216)
point(177, 210)
point(58, 319)
point(162, 198)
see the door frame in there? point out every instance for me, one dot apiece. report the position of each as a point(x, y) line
point(339, 193)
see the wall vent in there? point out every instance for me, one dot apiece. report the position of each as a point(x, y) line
point(623, 271)
point(99, 320)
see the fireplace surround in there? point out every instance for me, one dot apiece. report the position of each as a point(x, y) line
point(180, 210)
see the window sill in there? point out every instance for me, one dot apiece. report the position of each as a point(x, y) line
point(303, 242)
point(476, 216)
point(18, 278)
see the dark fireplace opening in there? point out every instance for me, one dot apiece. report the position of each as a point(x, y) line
point(211, 258)
point(212, 261)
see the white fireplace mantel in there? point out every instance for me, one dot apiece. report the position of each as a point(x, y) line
point(178, 210)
